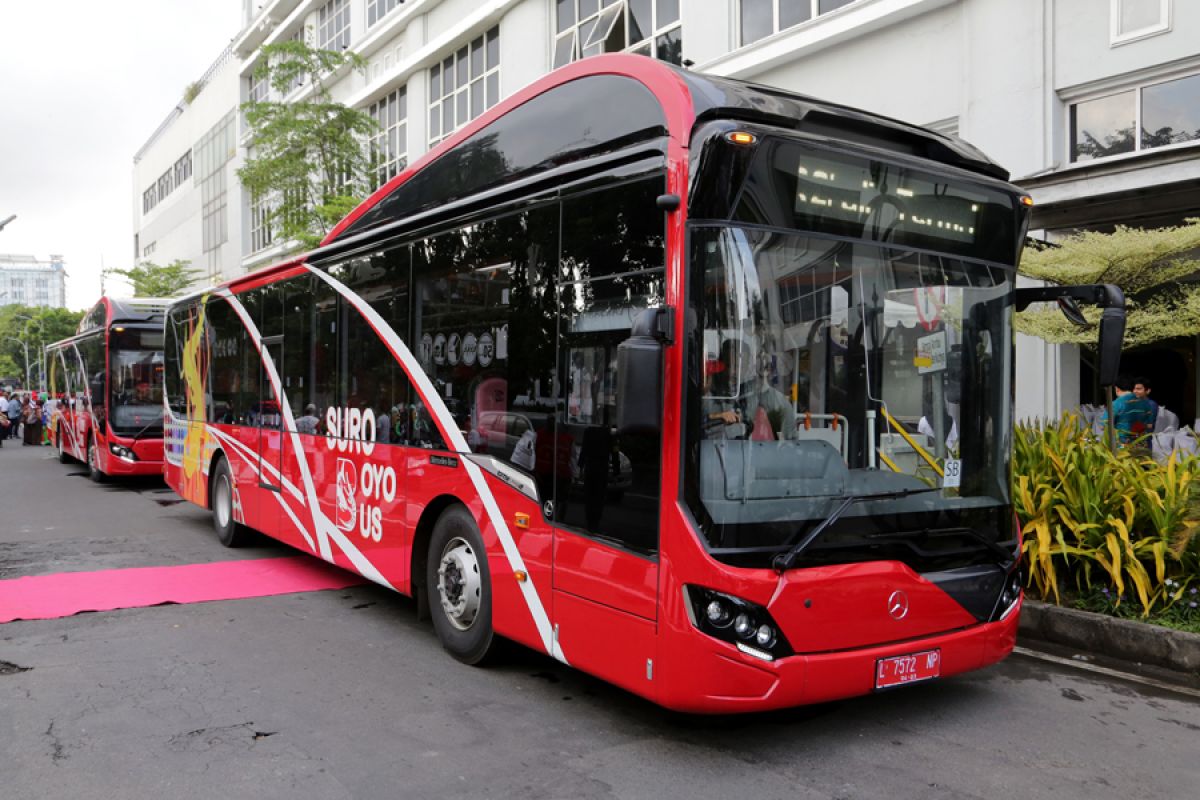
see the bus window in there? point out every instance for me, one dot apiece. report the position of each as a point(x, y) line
point(605, 484)
point(226, 341)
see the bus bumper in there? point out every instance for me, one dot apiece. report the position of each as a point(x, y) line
point(745, 684)
point(147, 457)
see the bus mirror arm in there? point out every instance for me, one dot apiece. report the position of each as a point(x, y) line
point(1112, 319)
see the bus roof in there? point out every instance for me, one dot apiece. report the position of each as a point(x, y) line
point(656, 102)
point(109, 310)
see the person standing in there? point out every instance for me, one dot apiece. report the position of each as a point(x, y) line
point(14, 415)
point(31, 421)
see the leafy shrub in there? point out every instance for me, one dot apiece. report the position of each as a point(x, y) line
point(1097, 519)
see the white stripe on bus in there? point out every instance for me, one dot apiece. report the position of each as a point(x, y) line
point(453, 435)
point(324, 529)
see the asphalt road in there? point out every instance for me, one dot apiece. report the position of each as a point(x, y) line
point(341, 694)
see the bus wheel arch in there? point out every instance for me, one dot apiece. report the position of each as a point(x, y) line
point(93, 459)
point(230, 532)
point(458, 586)
point(420, 550)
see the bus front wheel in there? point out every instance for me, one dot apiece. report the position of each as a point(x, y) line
point(93, 461)
point(460, 588)
point(229, 531)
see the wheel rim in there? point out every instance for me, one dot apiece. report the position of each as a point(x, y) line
point(222, 500)
point(93, 462)
point(459, 584)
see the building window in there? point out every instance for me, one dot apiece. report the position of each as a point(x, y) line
point(590, 27)
point(1137, 19)
point(464, 85)
point(259, 88)
point(389, 145)
point(759, 19)
point(213, 152)
point(167, 182)
point(1164, 113)
point(148, 250)
point(378, 9)
point(333, 25)
point(261, 235)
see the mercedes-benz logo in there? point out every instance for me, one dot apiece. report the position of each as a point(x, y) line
point(897, 605)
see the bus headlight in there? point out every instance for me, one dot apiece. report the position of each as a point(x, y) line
point(1009, 595)
point(748, 626)
point(120, 451)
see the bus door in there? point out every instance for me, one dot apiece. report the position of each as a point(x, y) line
point(269, 417)
point(605, 505)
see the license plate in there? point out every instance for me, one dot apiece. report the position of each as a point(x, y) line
point(898, 670)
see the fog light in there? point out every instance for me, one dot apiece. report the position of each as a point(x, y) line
point(765, 636)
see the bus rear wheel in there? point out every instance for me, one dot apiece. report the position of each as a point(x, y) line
point(460, 587)
point(93, 462)
point(229, 531)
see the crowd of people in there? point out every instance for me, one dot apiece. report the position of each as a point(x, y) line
point(22, 414)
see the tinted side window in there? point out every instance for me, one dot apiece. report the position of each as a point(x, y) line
point(174, 335)
point(612, 268)
point(612, 231)
point(484, 327)
point(298, 370)
point(91, 352)
point(229, 396)
point(371, 377)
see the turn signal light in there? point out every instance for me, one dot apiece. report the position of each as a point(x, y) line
point(741, 137)
point(1026, 200)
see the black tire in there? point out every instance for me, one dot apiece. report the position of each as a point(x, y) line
point(220, 500)
point(459, 587)
point(93, 462)
point(63, 458)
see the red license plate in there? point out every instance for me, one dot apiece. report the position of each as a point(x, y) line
point(899, 670)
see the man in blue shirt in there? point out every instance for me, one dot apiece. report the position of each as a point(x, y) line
point(14, 414)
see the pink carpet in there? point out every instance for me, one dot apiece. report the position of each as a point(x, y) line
point(66, 593)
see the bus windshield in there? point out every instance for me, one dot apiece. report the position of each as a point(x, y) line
point(135, 381)
point(831, 368)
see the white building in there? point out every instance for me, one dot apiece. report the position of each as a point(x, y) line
point(1052, 89)
point(30, 281)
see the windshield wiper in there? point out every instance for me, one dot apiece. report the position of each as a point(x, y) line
point(784, 561)
point(138, 435)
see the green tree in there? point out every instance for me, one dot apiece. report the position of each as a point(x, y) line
point(307, 160)
point(151, 280)
point(1158, 269)
point(28, 329)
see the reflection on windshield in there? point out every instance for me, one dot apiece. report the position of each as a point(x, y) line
point(830, 368)
point(136, 380)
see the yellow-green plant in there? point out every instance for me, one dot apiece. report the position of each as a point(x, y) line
point(1092, 515)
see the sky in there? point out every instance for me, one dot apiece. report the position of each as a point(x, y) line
point(83, 85)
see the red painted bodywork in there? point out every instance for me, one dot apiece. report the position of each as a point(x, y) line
point(620, 616)
point(75, 425)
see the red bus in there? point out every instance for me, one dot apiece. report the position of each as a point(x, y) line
point(106, 388)
point(701, 387)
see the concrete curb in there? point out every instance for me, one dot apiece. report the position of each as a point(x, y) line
point(1119, 638)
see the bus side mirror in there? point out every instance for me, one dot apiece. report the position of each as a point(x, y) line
point(1112, 334)
point(640, 373)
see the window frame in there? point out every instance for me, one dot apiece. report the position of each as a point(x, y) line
point(391, 163)
point(1117, 38)
point(333, 25)
point(648, 42)
point(1137, 88)
point(815, 13)
point(450, 63)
